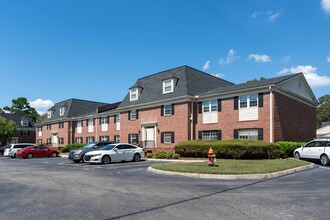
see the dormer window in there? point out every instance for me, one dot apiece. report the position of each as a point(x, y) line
point(168, 86)
point(49, 114)
point(25, 123)
point(62, 110)
point(134, 94)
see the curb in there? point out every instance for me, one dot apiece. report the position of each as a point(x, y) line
point(174, 160)
point(234, 177)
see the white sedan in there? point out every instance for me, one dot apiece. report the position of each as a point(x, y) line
point(115, 153)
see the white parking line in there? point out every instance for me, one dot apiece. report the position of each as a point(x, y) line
point(326, 168)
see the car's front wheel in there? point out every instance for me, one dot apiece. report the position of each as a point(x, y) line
point(324, 160)
point(136, 157)
point(106, 160)
point(297, 156)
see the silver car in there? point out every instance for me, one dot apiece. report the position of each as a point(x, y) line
point(115, 153)
point(11, 150)
point(318, 149)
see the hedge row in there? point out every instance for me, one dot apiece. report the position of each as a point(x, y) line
point(229, 149)
point(287, 148)
point(69, 147)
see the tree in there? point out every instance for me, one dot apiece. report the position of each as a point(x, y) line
point(323, 109)
point(255, 79)
point(22, 107)
point(7, 129)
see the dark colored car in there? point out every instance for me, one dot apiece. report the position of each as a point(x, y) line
point(78, 154)
point(34, 151)
point(2, 149)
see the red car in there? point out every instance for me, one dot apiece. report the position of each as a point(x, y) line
point(33, 151)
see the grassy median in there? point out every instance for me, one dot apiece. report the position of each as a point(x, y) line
point(233, 166)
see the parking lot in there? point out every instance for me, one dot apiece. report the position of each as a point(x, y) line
point(56, 188)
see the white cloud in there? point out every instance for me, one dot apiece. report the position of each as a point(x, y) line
point(260, 58)
point(310, 74)
point(219, 75)
point(286, 58)
point(41, 105)
point(206, 65)
point(272, 15)
point(269, 15)
point(326, 5)
point(230, 57)
point(328, 58)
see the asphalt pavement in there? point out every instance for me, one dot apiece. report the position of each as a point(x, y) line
point(56, 188)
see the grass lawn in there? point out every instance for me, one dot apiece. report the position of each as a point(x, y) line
point(233, 166)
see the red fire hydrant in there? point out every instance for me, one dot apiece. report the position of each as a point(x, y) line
point(211, 157)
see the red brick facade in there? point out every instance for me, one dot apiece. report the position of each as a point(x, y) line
point(293, 120)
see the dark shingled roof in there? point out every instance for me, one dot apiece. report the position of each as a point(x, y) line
point(251, 84)
point(190, 82)
point(74, 108)
point(108, 107)
point(17, 119)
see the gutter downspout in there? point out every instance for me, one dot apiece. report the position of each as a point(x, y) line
point(271, 115)
point(192, 118)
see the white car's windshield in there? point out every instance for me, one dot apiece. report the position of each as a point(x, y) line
point(108, 147)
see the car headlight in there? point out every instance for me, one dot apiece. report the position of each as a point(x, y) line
point(78, 151)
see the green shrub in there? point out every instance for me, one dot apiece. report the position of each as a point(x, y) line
point(176, 156)
point(287, 148)
point(69, 147)
point(149, 155)
point(163, 155)
point(229, 149)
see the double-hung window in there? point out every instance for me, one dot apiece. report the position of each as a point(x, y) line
point(134, 94)
point(210, 135)
point(25, 123)
point(168, 109)
point(248, 101)
point(62, 110)
point(210, 106)
point(168, 86)
point(250, 134)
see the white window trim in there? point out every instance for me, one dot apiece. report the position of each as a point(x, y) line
point(248, 101)
point(131, 114)
point(210, 105)
point(104, 120)
point(62, 111)
point(25, 123)
point(169, 135)
point(172, 86)
point(49, 114)
point(170, 109)
point(249, 133)
point(131, 93)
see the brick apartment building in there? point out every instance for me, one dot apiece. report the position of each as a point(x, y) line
point(183, 103)
point(26, 130)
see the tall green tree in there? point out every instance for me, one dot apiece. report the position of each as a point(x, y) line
point(7, 129)
point(22, 106)
point(323, 109)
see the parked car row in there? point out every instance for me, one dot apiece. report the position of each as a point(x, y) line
point(27, 150)
point(109, 152)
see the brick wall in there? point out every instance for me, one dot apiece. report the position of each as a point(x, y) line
point(30, 138)
point(228, 120)
point(177, 123)
point(293, 120)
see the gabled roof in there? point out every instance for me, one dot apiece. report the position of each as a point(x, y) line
point(189, 82)
point(18, 119)
point(73, 108)
point(251, 84)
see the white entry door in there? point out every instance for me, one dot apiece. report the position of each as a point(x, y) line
point(54, 140)
point(150, 137)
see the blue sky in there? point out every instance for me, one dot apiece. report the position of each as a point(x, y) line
point(95, 50)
